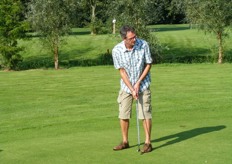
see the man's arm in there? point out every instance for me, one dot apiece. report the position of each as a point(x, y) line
point(143, 75)
point(126, 80)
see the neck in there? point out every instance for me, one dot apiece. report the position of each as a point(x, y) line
point(129, 47)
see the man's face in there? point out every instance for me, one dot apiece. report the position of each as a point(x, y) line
point(130, 39)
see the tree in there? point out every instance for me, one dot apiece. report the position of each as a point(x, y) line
point(51, 20)
point(80, 15)
point(164, 12)
point(213, 16)
point(93, 4)
point(12, 28)
point(98, 13)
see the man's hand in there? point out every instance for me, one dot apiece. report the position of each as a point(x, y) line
point(136, 89)
point(134, 94)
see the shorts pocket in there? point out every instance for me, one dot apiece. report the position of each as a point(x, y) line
point(119, 100)
point(147, 99)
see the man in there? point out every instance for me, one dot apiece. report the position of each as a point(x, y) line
point(133, 60)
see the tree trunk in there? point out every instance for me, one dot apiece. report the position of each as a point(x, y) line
point(93, 19)
point(220, 48)
point(56, 58)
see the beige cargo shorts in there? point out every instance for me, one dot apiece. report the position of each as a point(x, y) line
point(125, 102)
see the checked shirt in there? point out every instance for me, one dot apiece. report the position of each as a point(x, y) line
point(134, 62)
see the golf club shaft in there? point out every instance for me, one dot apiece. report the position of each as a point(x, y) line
point(137, 119)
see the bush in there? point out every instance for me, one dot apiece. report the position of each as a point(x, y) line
point(10, 57)
point(36, 62)
point(103, 59)
point(99, 28)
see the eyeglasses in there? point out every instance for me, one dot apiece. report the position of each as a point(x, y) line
point(132, 38)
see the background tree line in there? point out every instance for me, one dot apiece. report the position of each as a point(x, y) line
point(53, 19)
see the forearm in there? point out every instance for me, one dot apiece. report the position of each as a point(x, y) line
point(143, 75)
point(125, 79)
point(145, 72)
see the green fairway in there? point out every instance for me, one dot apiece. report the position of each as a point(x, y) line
point(70, 116)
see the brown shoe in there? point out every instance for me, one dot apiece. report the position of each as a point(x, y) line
point(121, 146)
point(147, 148)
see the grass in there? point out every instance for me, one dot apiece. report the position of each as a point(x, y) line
point(70, 116)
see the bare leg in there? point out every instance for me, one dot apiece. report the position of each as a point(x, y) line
point(124, 128)
point(147, 125)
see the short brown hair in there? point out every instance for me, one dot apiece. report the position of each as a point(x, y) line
point(124, 29)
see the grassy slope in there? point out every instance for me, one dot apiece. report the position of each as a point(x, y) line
point(78, 46)
point(70, 116)
point(178, 40)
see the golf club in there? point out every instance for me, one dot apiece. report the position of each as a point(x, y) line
point(137, 117)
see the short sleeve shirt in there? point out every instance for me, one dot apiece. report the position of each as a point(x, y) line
point(134, 62)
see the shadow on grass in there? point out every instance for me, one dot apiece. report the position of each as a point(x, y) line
point(184, 55)
point(182, 136)
point(80, 33)
point(164, 29)
point(35, 35)
point(1, 150)
point(190, 55)
point(38, 62)
point(228, 56)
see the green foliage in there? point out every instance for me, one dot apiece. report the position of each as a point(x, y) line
point(97, 15)
point(10, 57)
point(12, 28)
point(164, 12)
point(98, 27)
point(50, 18)
point(210, 15)
point(131, 13)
